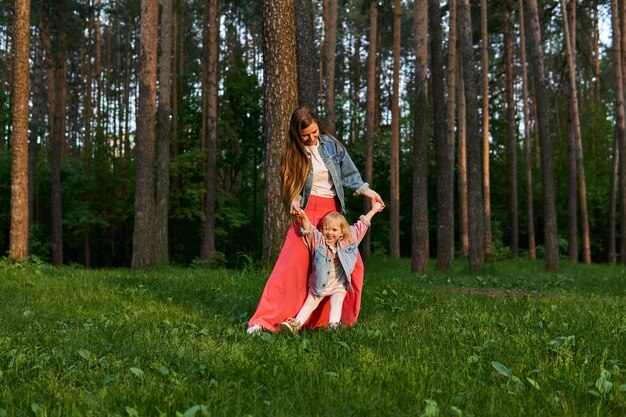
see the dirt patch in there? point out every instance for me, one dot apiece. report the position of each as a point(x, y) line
point(491, 292)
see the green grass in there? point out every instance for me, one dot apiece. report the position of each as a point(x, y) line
point(172, 342)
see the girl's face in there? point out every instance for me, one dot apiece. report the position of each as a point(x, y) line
point(310, 134)
point(331, 231)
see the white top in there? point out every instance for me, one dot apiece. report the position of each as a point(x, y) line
point(322, 183)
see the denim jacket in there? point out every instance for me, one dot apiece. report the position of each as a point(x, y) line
point(342, 170)
point(322, 254)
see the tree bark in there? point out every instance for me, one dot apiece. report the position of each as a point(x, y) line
point(444, 156)
point(420, 231)
point(281, 97)
point(366, 244)
point(532, 253)
point(509, 99)
point(18, 247)
point(57, 137)
point(485, 148)
point(476, 212)
point(143, 233)
point(618, 37)
point(330, 45)
point(462, 160)
point(208, 243)
point(305, 44)
point(551, 261)
point(394, 190)
point(161, 230)
point(582, 184)
point(613, 198)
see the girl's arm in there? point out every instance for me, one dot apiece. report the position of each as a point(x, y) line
point(377, 207)
point(360, 228)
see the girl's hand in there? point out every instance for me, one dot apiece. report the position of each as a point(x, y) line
point(377, 207)
point(295, 208)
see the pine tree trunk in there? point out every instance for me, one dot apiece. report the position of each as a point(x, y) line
point(575, 118)
point(394, 190)
point(305, 44)
point(87, 76)
point(444, 156)
point(330, 46)
point(476, 209)
point(143, 233)
point(420, 231)
point(485, 147)
point(59, 74)
point(161, 230)
point(208, 243)
point(509, 98)
point(37, 121)
point(18, 247)
point(551, 261)
point(618, 44)
point(281, 97)
point(366, 243)
point(527, 138)
point(613, 198)
point(462, 160)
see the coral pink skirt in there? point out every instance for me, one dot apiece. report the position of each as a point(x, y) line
point(286, 288)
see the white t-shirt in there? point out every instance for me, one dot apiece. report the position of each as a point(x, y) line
point(322, 183)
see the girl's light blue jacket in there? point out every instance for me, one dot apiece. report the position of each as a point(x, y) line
point(322, 255)
point(342, 171)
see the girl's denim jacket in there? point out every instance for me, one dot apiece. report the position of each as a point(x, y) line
point(343, 172)
point(322, 254)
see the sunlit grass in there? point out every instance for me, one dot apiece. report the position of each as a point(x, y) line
point(172, 341)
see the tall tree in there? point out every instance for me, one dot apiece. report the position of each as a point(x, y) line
point(551, 261)
point(618, 37)
point(208, 243)
point(305, 44)
point(573, 105)
point(143, 232)
point(509, 99)
point(462, 159)
point(476, 210)
point(394, 191)
point(281, 97)
point(57, 87)
point(485, 147)
point(370, 116)
point(419, 237)
point(330, 46)
point(19, 133)
point(451, 81)
point(161, 241)
point(527, 137)
point(444, 157)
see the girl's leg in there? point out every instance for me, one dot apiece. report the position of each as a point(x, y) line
point(336, 305)
point(310, 304)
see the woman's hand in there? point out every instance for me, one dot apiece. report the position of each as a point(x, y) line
point(374, 198)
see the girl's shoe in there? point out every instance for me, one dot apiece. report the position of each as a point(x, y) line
point(291, 324)
point(255, 329)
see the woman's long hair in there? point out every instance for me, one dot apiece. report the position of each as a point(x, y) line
point(296, 163)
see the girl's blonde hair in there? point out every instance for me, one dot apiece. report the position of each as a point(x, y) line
point(337, 218)
point(296, 163)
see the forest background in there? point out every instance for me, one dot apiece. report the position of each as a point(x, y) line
point(154, 128)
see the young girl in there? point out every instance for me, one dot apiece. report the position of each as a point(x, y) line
point(334, 252)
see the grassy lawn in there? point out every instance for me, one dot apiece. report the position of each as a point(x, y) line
point(509, 340)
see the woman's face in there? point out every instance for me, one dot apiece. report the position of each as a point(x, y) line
point(310, 134)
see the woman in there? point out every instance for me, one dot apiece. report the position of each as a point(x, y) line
point(315, 170)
